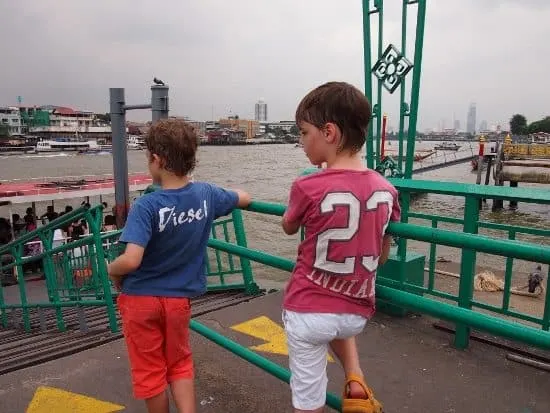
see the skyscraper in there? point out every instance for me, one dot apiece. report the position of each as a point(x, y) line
point(471, 119)
point(261, 111)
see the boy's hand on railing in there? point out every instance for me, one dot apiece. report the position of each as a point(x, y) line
point(117, 281)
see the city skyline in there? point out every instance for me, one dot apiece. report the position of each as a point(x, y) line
point(226, 68)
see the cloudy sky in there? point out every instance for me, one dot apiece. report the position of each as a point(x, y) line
point(219, 56)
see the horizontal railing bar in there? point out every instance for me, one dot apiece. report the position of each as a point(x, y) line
point(483, 224)
point(439, 218)
point(80, 303)
point(480, 243)
point(529, 195)
point(508, 313)
point(267, 365)
point(434, 308)
point(496, 246)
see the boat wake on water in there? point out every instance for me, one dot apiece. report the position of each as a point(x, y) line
point(50, 155)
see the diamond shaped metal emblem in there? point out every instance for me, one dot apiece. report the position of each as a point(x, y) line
point(391, 68)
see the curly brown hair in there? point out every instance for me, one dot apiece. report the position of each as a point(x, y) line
point(342, 104)
point(175, 143)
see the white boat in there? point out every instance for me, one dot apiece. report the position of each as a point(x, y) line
point(65, 145)
point(136, 142)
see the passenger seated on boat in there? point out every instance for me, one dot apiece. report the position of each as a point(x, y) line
point(84, 226)
point(60, 234)
point(28, 213)
point(33, 247)
point(79, 256)
point(18, 224)
point(68, 209)
point(50, 214)
point(110, 223)
point(5, 231)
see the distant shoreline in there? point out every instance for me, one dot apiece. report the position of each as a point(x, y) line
point(248, 142)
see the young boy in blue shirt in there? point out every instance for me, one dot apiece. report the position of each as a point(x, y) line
point(163, 266)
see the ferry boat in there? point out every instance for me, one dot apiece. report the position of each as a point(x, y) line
point(65, 146)
point(447, 146)
point(56, 188)
point(136, 142)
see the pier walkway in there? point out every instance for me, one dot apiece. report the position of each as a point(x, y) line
point(411, 366)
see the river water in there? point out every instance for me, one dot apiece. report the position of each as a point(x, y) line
point(267, 171)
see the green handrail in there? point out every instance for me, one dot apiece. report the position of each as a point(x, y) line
point(480, 243)
point(254, 358)
point(530, 195)
point(445, 311)
point(56, 223)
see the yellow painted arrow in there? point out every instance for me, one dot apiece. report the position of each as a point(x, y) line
point(267, 330)
point(50, 399)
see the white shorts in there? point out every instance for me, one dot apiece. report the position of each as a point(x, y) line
point(308, 337)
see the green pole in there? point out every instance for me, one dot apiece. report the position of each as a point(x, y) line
point(467, 270)
point(240, 236)
point(253, 358)
point(369, 153)
point(402, 105)
point(419, 41)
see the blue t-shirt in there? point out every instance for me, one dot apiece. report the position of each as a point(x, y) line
point(173, 225)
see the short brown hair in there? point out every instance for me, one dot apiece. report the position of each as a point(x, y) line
point(175, 143)
point(339, 103)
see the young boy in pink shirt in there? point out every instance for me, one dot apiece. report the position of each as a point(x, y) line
point(345, 210)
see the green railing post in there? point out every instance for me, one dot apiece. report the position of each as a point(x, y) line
point(431, 268)
point(51, 276)
point(546, 313)
point(368, 79)
point(240, 237)
point(17, 252)
point(403, 107)
point(94, 218)
point(467, 270)
point(3, 311)
point(508, 275)
point(415, 91)
point(405, 201)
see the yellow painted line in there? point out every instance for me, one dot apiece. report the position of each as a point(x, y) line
point(50, 400)
point(269, 331)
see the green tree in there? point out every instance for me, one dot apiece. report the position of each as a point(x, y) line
point(518, 124)
point(294, 130)
point(542, 125)
point(103, 117)
point(278, 132)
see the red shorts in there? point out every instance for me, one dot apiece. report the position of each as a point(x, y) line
point(156, 330)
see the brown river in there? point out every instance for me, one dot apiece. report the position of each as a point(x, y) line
point(267, 171)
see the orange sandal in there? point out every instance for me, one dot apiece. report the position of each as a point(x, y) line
point(368, 405)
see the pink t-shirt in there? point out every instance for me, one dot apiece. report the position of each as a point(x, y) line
point(345, 214)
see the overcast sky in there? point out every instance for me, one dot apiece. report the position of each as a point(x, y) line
point(223, 55)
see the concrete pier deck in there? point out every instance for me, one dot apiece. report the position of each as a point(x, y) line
point(411, 366)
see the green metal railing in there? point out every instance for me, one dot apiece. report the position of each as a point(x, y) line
point(75, 272)
point(390, 291)
point(511, 233)
point(470, 244)
point(72, 278)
